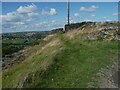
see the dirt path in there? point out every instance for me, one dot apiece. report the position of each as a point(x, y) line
point(107, 77)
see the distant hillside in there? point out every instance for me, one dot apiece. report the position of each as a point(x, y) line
point(66, 60)
point(30, 34)
point(13, 44)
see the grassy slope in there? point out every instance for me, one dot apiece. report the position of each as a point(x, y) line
point(63, 62)
point(78, 62)
point(37, 62)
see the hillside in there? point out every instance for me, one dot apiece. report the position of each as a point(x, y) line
point(69, 59)
point(13, 45)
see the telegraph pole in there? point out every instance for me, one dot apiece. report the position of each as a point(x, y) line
point(68, 16)
point(68, 12)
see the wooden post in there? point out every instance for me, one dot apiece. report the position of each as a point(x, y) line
point(68, 12)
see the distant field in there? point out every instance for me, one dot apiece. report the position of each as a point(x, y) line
point(15, 41)
point(10, 46)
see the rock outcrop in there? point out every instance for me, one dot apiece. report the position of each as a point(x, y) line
point(97, 30)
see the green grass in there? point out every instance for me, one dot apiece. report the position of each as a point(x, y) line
point(16, 75)
point(16, 41)
point(73, 66)
point(78, 63)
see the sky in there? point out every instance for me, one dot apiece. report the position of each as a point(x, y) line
point(60, 0)
point(45, 16)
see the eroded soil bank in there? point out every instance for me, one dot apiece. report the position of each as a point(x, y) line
point(107, 77)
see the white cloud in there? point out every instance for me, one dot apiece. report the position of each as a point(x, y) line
point(89, 9)
point(7, 25)
point(32, 14)
point(27, 9)
point(115, 14)
point(44, 13)
point(104, 17)
point(53, 21)
point(27, 18)
point(108, 20)
point(88, 20)
point(20, 23)
point(53, 11)
point(17, 16)
point(82, 9)
point(76, 14)
point(11, 17)
point(10, 20)
point(0, 18)
point(93, 15)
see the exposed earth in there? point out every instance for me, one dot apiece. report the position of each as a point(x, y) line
point(107, 77)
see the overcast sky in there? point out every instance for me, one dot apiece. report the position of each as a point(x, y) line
point(44, 16)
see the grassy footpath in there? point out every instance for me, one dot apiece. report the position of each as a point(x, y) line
point(72, 66)
point(78, 62)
